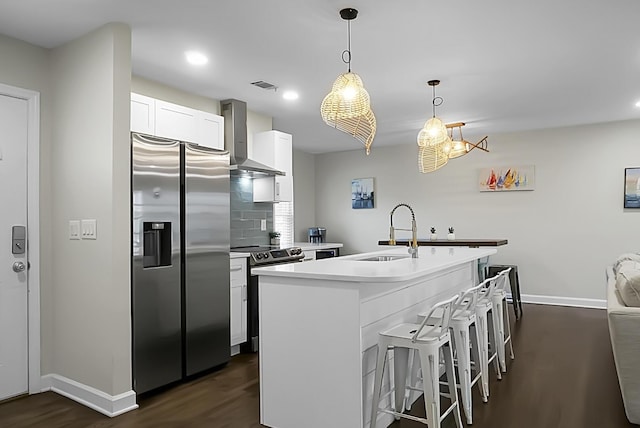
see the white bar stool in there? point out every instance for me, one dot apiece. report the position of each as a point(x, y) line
point(468, 342)
point(428, 342)
point(484, 307)
point(500, 318)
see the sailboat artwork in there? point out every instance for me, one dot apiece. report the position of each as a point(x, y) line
point(362, 194)
point(507, 178)
point(632, 187)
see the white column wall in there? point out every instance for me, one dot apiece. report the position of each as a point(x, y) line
point(90, 180)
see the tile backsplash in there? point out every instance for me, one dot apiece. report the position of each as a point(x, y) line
point(246, 215)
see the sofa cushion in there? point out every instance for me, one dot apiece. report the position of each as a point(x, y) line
point(623, 258)
point(628, 282)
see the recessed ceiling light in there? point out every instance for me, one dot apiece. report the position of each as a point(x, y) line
point(638, 104)
point(290, 95)
point(196, 58)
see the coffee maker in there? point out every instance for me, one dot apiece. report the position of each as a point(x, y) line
point(317, 235)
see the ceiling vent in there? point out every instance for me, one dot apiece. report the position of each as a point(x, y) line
point(264, 85)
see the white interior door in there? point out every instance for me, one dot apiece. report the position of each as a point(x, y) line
point(13, 252)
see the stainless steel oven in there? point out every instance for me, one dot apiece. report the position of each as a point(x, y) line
point(262, 256)
point(325, 254)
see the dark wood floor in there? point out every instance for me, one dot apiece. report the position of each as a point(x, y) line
point(563, 376)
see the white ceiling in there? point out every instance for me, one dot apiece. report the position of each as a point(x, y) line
point(504, 65)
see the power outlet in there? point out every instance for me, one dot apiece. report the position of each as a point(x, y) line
point(74, 229)
point(263, 225)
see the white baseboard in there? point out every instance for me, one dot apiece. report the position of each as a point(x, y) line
point(97, 400)
point(562, 301)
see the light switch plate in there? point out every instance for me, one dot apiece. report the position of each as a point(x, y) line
point(89, 229)
point(74, 229)
point(263, 225)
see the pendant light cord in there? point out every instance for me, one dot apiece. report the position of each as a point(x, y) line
point(437, 101)
point(347, 52)
point(433, 100)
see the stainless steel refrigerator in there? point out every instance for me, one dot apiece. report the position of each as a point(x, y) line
point(180, 265)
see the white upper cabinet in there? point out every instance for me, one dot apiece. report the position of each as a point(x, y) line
point(168, 120)
point(274, 149)
point(143, 114)
point(210, 132)
point(176, 122)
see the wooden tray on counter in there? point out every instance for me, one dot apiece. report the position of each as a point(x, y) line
point(473, 243)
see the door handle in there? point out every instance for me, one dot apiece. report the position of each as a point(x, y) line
point(19, 267)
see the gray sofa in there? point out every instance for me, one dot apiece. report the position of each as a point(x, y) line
point(624, 330)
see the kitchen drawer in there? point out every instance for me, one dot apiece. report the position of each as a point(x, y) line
point(238, 272)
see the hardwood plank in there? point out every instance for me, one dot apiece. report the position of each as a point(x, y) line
point(563, 376)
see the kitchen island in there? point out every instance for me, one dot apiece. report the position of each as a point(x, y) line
point(319, 324)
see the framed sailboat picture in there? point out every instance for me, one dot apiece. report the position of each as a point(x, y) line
point(362, 194)
point(507, 178)
point(632, 187)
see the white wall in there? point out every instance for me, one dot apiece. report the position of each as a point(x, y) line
point(90, 180)
point(561, 235)
point(27, 66)
point(304, 208)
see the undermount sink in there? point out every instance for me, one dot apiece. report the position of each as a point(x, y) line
point(387, 258)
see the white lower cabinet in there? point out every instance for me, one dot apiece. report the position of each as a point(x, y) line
point(238, 281)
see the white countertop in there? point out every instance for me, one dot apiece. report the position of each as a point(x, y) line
point(311, 246)
point(350, 268)
point(234, 255)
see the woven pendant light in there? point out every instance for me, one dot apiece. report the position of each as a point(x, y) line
point(434, 131)
point(362, 128)
point(347, 107)
point(348, 99)
point(458, 148)
point(431, 158)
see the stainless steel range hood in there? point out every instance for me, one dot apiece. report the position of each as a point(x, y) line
point(235, 140)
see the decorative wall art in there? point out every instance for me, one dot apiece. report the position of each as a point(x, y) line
point(632, 187)
point(362, 193)
point(507, 178)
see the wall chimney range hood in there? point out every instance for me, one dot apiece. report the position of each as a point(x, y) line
point(235, 140)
